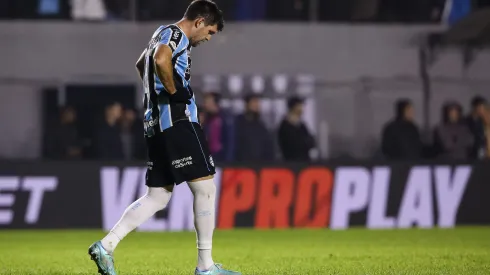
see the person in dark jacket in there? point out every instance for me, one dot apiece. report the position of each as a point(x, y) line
point(62, 140)
point(108, 143)
point(252, 139)
point(295, 140)
point(401, 137)
point(132, 137)
point(474, 121)
point(452, 138)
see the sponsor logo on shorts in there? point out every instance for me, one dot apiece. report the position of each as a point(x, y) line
point(150, 165)
point(179, 163)
point(211, 161)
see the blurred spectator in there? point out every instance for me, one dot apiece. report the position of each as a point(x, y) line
point(132, 137)
point(253, 140)
point(108, 143)
point(486, 129)
point(474, 121)
point(88, 10)
point(63, 141)
point(452, 139)
point(295, 141)
point(218, 128)
point(401, 137)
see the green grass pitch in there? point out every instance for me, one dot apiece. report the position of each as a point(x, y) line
point(355, 251)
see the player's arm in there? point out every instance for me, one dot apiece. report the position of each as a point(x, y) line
point(164, 68)
point(140, 64)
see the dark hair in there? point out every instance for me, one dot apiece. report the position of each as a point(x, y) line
point(208, 10)
point(477, 101)
point(294, 101)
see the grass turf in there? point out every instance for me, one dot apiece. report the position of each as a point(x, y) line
point(355, 251)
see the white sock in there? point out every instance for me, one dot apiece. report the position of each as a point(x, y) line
point(137, 213)
point(204, 220)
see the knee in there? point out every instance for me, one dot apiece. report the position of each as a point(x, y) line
point(159, 196)
point(203, 189)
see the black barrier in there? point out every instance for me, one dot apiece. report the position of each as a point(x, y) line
point(94, 195)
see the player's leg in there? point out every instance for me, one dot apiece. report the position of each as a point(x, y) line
point(204, 191)
point(136, 214)
point(192, 163)
point(160, 186)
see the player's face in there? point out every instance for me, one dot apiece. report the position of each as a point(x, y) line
point(202, 33)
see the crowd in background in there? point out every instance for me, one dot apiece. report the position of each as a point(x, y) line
point(246, 10)
point(118, 135)
point(458, 136)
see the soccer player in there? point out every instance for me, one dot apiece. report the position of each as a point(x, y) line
point(177, 148)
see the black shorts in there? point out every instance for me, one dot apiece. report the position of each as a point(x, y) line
point(178, 154)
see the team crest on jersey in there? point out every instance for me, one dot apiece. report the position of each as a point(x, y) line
point(175, 39)
point(176, 34)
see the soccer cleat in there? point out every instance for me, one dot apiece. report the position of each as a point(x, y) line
point(102, 258)
point(217, 269)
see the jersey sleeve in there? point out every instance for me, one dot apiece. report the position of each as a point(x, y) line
point(171, 37)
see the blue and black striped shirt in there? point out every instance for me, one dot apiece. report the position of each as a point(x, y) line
point(160, 115)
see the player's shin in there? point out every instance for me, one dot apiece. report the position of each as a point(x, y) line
point(204, 220)
point(136, 214)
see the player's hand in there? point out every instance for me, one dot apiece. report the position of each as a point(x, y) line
point(182, 95)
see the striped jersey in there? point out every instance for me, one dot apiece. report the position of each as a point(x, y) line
point(159, 114)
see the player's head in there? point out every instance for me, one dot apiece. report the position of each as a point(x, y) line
point(295, 105)
point(207, 20)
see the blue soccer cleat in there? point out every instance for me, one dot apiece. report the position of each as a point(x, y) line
point(102, 258)
point(216, 269)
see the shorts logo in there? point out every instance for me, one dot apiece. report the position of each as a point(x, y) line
point(173, 46)
point(179, 163)
point(150, 165)
point(211, 161)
